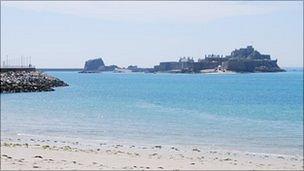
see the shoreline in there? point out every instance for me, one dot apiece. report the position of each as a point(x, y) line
point(38, 153)
point(89, 142)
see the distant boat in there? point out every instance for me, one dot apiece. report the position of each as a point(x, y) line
point(121, 70)
point(218, 70)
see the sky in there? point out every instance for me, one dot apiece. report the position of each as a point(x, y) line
point(65, 34)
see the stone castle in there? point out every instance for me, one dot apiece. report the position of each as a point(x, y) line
point(240, 60)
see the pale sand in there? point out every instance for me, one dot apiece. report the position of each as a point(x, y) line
point(53, 155)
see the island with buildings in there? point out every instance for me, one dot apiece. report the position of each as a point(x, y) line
point(240, 60)
point(97, 65)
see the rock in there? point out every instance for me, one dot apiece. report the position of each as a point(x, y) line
point(250, 60)
point(94, 65)
point(97, 65)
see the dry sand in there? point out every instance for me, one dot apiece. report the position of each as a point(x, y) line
point(39, 154)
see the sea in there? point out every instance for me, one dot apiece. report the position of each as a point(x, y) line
point(255, 112)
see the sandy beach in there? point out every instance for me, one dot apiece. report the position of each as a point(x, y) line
point(45, 154)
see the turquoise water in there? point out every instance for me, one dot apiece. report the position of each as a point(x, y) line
point(252, 112)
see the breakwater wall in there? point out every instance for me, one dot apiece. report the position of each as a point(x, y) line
point(15, 69)
point(28, 81)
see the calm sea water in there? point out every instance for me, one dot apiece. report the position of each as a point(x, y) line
point(252, 112)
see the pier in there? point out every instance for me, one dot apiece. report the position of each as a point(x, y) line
point(16, 68)
point(17, 64)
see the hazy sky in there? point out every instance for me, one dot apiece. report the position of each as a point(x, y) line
point(66, 34)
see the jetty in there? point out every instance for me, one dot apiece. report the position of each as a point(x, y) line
point(25, 78)
point(17, 68)
point(28, 81)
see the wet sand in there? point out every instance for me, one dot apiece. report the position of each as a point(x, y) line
point(45, 154)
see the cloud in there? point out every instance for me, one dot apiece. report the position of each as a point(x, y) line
point(150, 11)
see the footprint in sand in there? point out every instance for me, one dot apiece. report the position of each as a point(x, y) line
point(38, 157)
point(158, 146)
point(196, 149)
point(20, 160)
point(213, 152)
point(227, 159)
point(4, 155)
point(154, 154)
point(173, 148)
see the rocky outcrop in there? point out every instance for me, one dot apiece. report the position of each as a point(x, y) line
point(97, 65)
point(250, 60)
point(110, 68)
point(247, 65)
point(94, 65)
point(28, 81)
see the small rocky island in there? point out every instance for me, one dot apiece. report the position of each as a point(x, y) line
point(28, 81)
point(97, 65)
point(240, 60)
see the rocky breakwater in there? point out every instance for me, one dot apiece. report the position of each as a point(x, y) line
point(28, 81)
